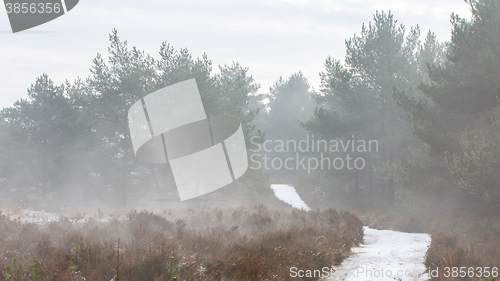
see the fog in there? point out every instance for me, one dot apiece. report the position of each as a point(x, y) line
point(164, 165)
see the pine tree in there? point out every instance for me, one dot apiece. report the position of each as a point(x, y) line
point(289, 102)
point(460, 93)
point(45, 130)
point(131, 74)
point(356, 99)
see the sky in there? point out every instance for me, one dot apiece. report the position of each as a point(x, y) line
point(272, 38)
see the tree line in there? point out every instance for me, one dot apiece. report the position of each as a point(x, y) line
point(72, 140)
point(432, 107)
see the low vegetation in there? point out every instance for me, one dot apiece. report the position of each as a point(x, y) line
point(247, 243)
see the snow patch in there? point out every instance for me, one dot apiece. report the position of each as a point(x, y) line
point(289, 195)
point(38, 217)
point(386, 256)
point(45, 218)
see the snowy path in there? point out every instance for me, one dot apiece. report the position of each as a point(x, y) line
point(386, 255)
point(288, 194)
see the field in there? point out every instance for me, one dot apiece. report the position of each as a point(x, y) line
point(244, 243)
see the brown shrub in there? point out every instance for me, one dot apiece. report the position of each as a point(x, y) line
point(248, 243)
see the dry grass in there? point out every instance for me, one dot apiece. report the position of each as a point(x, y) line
point(469, 243)
point(204, 244)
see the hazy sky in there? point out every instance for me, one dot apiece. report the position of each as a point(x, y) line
point(272, 38)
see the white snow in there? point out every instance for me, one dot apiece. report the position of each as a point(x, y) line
point(386, 255)
point(44, 218)
point(288, 194)
point(38, 217)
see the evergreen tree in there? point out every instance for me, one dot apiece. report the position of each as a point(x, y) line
point(128, 76)
point(462, 93)
point(76, 135)
point(356, 99)
point(477, 168)
point(44, 130)
point(289, 102)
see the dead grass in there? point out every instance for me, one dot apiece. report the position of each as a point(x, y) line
point(469, 243)
point(247, 243)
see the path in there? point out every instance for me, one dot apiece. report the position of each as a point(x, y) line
point(386, 255)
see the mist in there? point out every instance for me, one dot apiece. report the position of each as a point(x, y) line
point(164, 165)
